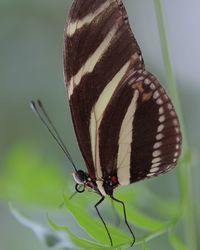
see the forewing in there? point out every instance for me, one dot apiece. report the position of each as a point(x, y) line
point(99, 52)
point(139, 136)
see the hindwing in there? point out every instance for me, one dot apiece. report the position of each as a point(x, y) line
point(139, 136)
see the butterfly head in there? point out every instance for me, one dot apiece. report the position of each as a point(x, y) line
point(83, 181)
point(80, 178)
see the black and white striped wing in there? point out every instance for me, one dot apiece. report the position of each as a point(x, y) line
point(124, 122)
point(99, 52)
point(139, 133)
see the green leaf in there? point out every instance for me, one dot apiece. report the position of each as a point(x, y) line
point(166, 208)
point(140, 219)
point(43, 234)
point(145, 247)
point(94, 227)
point(63, 238)
point(78, 241)
point(29, 178)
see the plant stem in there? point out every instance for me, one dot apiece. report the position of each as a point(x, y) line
point(184, 173)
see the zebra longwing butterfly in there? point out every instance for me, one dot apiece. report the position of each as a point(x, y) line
point(126, 126)
point(125, 123)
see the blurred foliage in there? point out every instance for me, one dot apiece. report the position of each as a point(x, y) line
point(31, 57)
point(28, 178)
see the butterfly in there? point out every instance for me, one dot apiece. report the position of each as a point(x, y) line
point(126, 125)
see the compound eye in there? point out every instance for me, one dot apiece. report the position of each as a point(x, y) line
point(80, 177)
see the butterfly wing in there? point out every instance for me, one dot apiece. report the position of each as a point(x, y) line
point(99, 51)
point(139, 135)
point(124, 121)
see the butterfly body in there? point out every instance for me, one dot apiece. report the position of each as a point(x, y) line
point(103, 187)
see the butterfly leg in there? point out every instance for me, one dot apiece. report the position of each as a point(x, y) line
point(125, 217)
point(96, 207)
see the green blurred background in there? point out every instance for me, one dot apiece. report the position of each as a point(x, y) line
point(33, 170)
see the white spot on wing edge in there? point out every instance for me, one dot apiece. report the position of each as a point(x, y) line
point(156, 160)
point(155, 165)
point(147, 81)
point(152, 86)
point(156, 153)
point(157, 145)
point(177, 130)
point(169, 106)
point(124, 156)
point(141, 78)
point(151, 174)
point(78, 24)
point(156, 94)
point(176, 154)
point(161, 118)
point(159, 101)
point(160, 128)
point(159, 136)
point(153, 170)
point(175, 122)
point(161, 110)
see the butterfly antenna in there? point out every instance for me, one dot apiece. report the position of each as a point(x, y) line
point(54, 128)
point(51, 128)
